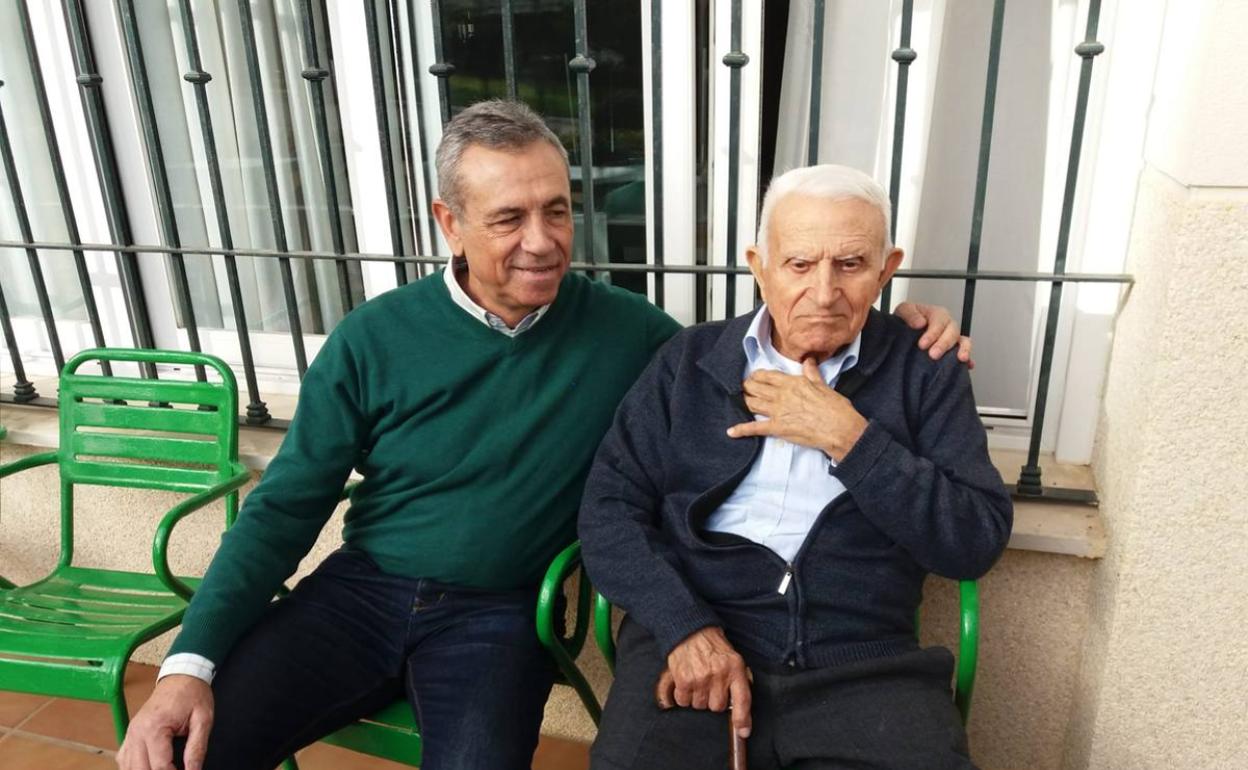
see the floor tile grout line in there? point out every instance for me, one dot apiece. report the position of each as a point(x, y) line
point(64, 743)
point(33, 714)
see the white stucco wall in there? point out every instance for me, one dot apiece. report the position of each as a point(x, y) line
point(1163, 682)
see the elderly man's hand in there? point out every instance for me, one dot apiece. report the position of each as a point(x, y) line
point(942, 332)
point(801, 409)
point(705, 672)
point(180, 705)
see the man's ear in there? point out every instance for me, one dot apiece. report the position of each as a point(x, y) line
point(891, 262)
point(754, 258)
point(449, 223)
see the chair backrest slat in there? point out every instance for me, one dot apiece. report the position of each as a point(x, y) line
point(143, 417)
point(140, 447)
point(138, 476)
point(75, 386)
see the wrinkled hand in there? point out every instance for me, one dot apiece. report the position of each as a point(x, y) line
point(180, 705)
point(942, 333)
point(705, 672)
point(801, 409)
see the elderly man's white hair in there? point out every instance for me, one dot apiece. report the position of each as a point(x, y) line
point(828, 181)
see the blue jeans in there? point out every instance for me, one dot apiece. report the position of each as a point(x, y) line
point(350, 639)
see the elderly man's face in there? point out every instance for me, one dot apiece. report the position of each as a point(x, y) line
point(515, 227)
point(825, 266)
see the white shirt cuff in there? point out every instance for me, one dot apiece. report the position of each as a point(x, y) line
point(190, 664)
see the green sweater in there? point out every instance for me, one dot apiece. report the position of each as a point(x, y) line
point(474, 446)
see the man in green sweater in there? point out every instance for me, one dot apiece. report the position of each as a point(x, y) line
point(471, 402)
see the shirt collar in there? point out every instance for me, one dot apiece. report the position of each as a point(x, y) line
point(457, 265)
point(761, 354)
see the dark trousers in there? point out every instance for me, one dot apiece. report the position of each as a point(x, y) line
point(893, 713)
point(350, 639)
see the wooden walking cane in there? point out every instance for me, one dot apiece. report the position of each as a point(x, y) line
point(736, 755)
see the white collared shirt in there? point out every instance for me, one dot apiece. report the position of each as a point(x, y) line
point(778, 501)
point(458, 265)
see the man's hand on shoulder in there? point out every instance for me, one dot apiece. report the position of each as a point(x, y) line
point(180, 705)
point(942, 333)
point(705, 672)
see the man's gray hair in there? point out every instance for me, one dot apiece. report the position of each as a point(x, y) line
point(827, 181)
point(498, 124)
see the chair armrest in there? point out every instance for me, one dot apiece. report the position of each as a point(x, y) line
point(565, 649)
point(26, 463)
point(160, 544)
point(968, 647)
point(602, 630)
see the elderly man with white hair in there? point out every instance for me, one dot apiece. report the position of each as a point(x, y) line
point(768, 502)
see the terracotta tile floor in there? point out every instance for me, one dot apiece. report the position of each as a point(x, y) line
point(38, 733)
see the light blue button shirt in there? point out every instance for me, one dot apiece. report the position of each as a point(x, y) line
point(788, 485)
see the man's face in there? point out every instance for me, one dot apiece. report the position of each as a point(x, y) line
point(825, 267)
point(514, 227)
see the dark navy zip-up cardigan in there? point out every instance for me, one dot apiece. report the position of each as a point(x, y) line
point(921, 496)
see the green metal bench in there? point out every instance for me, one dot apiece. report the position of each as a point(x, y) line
point(72, 633)
point(392, 732)
point(968, 642)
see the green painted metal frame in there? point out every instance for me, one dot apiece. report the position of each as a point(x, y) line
point(72, 633)
point(968, 642)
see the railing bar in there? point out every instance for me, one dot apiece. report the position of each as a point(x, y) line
point(949, 275)
point(735, 59)
point(1029, 479)
point(23, 389)
point(156, 158)
point(270, 180)
point(32, 255)
point(62, 185)
point(985, 155)
point(582, 65)
point(816, 83)
point(315, 75)
point(440, 69)
point(656, 102)
point(509, 48)
point(424, 157)
point(373, 20)
point(401, 118)
point(105, 156)
point(904, 55)
point(257, 411)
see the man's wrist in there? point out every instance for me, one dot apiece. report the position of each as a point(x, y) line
point(189, 664)
point(846, 439)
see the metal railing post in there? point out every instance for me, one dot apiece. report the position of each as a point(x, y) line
point(115, 209)
point(582, 65)
point(656, 150)
point(62, 185)
point(156, 159)
point(735, 59)
point(316, 75)
point(257, 411)
point(270, 181)
point(904, 55)
point(1029, 479)
point(816, 82)
point(32, 256)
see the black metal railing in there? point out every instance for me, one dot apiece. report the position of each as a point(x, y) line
point(395, 132)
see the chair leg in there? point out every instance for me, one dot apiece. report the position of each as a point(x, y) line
point(121, 716)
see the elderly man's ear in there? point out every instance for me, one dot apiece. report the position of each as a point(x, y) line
point(892, 261)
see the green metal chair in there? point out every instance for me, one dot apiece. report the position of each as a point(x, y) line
point(968, 642)
point(392, 732)
point(72, 633)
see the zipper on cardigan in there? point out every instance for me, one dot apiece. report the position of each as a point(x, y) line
point(788, 578)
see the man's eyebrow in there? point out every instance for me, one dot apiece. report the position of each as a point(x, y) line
point(558, 200)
